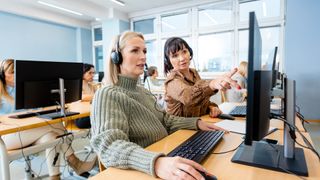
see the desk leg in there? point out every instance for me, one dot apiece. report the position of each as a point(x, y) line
point(4, 161)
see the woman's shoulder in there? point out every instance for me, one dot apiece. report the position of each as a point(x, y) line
point(174, 74)
point(107, 90)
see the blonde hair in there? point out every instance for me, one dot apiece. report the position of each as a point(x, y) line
point(6, 66)
point(113, 70)
point(243, 68)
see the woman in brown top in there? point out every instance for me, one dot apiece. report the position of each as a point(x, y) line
point(186, 93)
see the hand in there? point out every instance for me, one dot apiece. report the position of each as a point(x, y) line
point(224, 82)
point(214, 111)
point(177, 168)
point(209, 127)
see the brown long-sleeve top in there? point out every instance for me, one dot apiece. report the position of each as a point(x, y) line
point(188, 97)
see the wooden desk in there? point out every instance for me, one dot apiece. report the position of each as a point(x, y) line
point(227, 107)
point(221, 164)
point(9, 125)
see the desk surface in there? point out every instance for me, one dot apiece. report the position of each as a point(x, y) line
point(10, 125)
point(227, 107)
point(220, 165)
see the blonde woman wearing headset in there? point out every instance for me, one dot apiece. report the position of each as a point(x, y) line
point(125, 118)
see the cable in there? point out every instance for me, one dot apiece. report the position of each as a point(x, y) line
point(278, 161)
point(224, 152)
point(307, 142)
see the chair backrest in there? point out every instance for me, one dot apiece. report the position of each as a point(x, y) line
point(223, 96)
point(101, 166)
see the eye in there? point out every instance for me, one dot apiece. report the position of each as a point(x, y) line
point(145, 51)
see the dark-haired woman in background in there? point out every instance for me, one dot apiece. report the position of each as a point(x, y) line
point(88, 90)
point(187, 94)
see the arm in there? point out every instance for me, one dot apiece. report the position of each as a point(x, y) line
point(174, 123)
point(188, 94)
point(110, 135)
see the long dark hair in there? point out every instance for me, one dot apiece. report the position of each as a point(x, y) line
point(172, 46)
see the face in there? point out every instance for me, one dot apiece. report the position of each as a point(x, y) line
point(9, 77)
point(134, 57)
point(180, 60)
point(155, 73)
point(88, 76)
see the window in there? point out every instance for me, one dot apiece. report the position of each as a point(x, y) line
point(263, 9)
point(215, 14)
point(97, 34)
point(270, 39)
point(152, 59)
point(98, 54)
point(215, 52)
point(216, 30)
point(176, 22)
point(97, 49)
point(144, 26)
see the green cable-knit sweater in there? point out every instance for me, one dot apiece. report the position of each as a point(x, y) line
point(124, 120)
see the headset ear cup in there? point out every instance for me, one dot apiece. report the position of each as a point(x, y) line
point(114, 57)
point(191, 53)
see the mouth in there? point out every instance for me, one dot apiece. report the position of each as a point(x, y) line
point(141, 65)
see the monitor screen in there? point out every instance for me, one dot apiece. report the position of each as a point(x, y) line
point(35, 80)
point(259, 86)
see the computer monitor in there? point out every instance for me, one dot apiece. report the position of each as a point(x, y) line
point(259, 86)
point(36, 80)
point(100, 76)
point(255, 152)
point(275, 67)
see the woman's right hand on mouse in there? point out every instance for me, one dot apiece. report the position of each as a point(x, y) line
point(177, 168)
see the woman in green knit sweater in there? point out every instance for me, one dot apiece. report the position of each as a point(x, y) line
point(125, 119)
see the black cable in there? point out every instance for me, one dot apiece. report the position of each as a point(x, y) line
point(307, 142)
point(278, 162)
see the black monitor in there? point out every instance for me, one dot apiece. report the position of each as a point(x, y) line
point(259, 86)
point(275, 67)
point(36, 80)
point(255, 152)
point(100, 76)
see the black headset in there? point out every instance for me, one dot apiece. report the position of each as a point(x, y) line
point(116, 56)
point(167, 64)
point(2, 71)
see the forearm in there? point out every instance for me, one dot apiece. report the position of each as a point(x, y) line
point(124, 154)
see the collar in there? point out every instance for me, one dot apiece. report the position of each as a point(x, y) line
point(127, 82)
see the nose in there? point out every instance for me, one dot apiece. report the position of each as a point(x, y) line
point(180, 57)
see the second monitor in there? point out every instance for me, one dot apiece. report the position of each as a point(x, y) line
point(37, 82)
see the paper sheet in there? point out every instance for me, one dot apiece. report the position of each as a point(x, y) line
point(237, 126)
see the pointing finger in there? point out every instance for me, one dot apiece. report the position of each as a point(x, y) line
point(231, 73)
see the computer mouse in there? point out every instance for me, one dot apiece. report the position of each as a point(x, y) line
point(207, 176)
point(226, 116)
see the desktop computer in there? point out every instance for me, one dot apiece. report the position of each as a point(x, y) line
point(253, 152)
point(43, 83)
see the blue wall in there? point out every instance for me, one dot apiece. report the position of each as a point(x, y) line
point(28, 38)
point(302, 61)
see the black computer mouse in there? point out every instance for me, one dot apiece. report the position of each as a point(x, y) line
point(207, 176)
point(226, 116)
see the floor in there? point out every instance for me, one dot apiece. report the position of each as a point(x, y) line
point(39, 165)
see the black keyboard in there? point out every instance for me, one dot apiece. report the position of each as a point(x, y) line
point(198, 146)
point(31, 114)
point(239, 111)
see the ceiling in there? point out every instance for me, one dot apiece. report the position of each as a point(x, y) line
point(91, 9)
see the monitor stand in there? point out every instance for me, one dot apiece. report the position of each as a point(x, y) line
point(62, 112)
point(57, 115)
point(269, 156)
